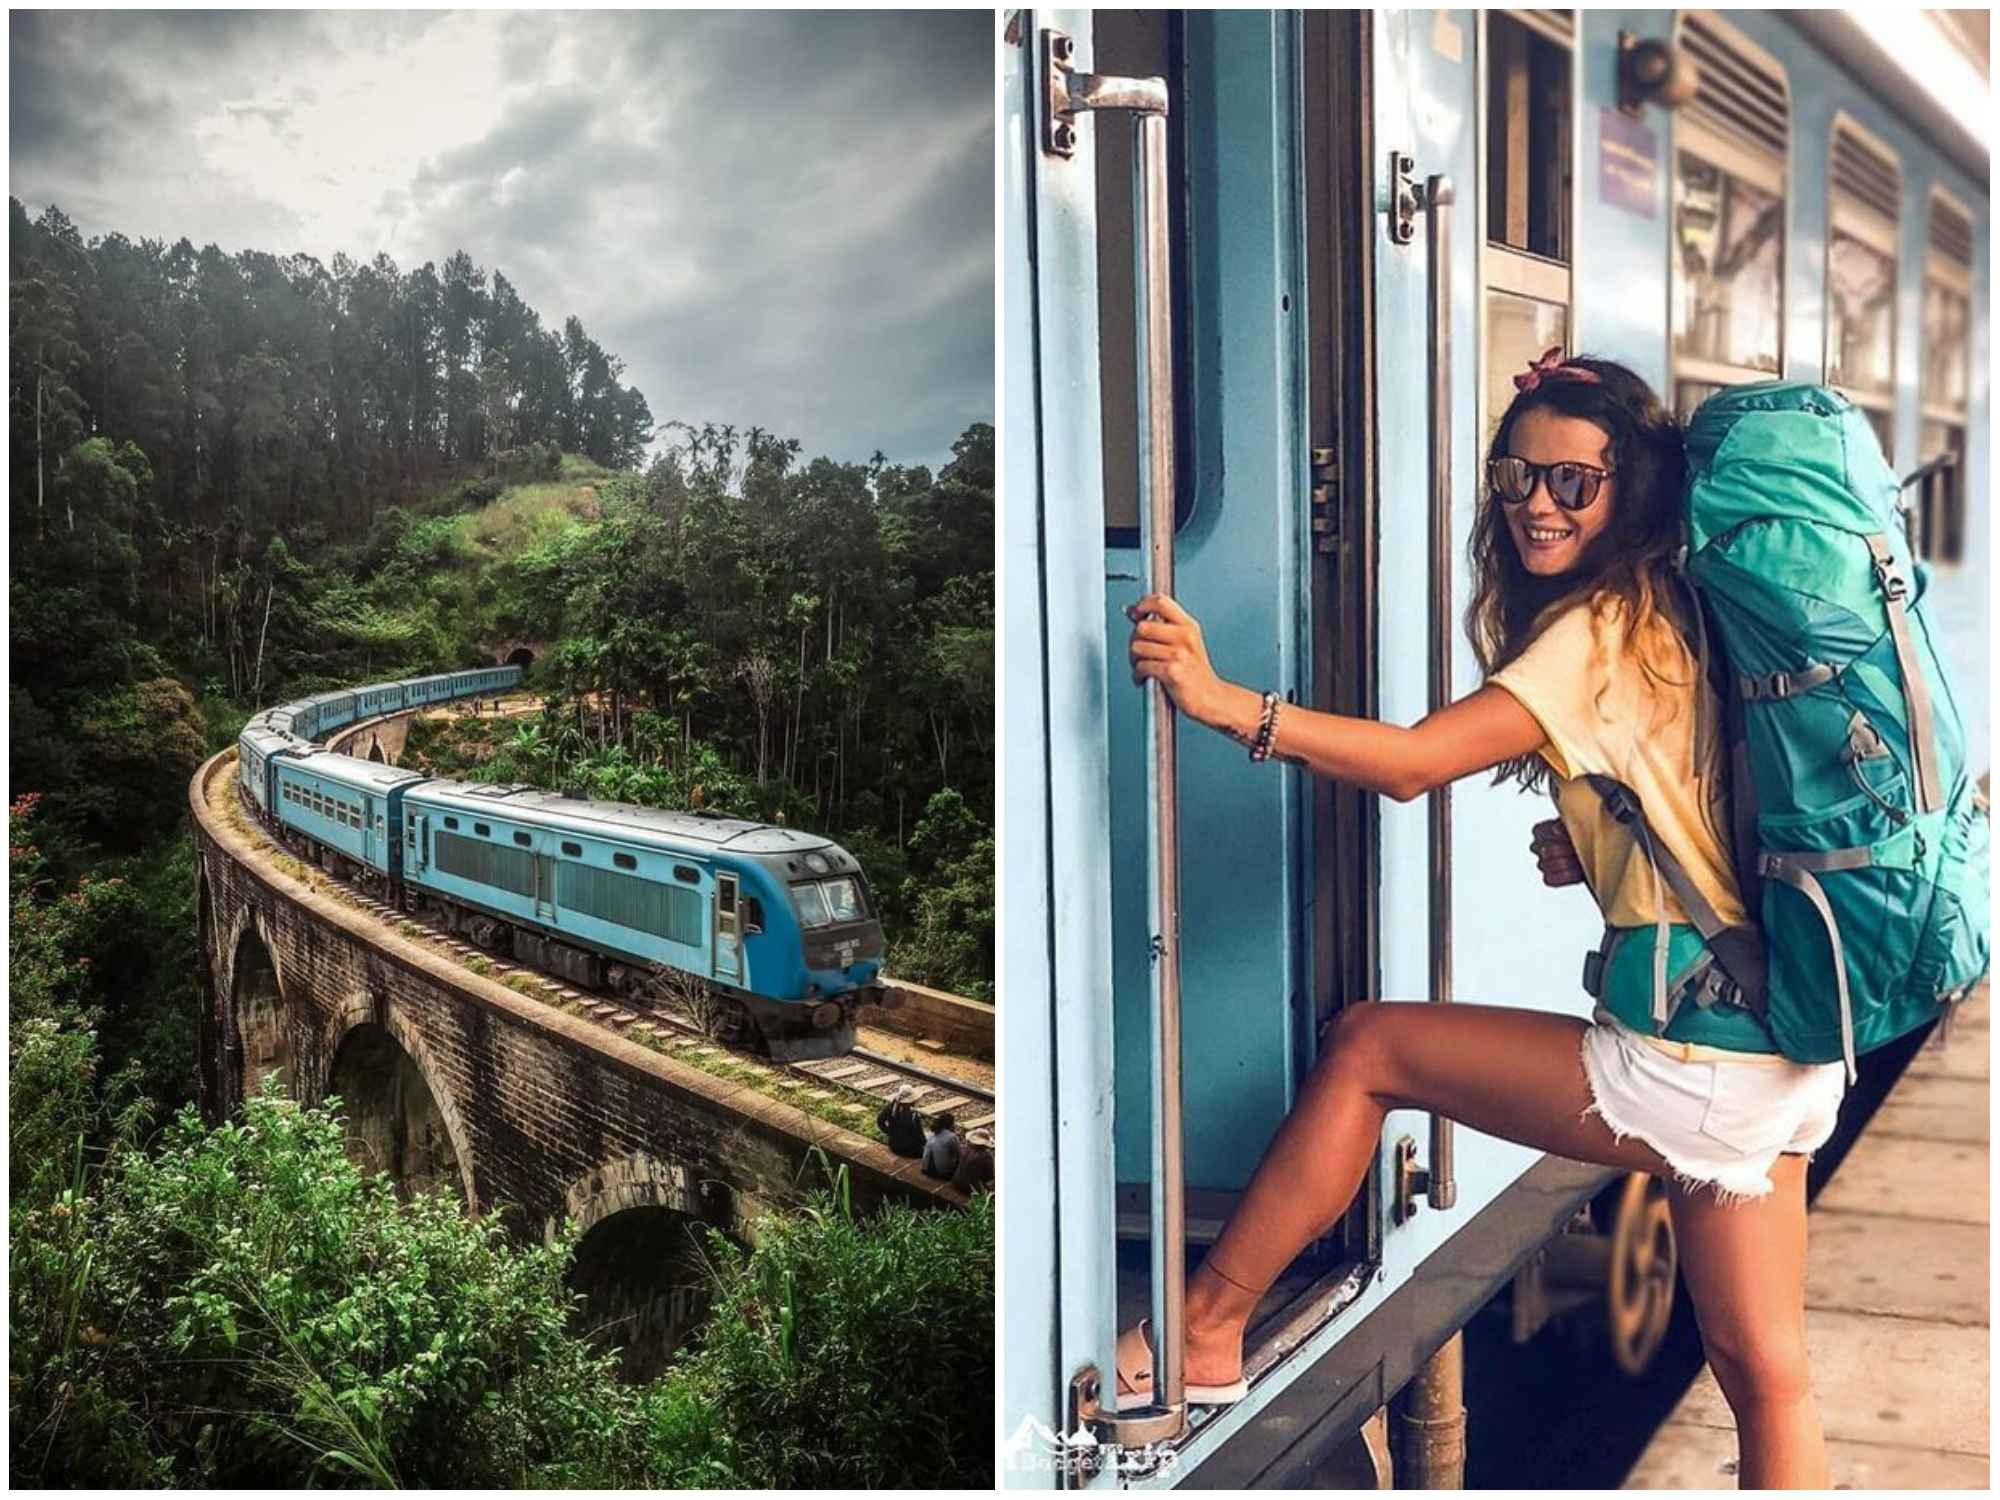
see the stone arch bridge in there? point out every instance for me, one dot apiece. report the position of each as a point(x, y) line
point(452, 1079)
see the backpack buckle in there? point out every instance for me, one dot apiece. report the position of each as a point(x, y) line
point(1893, 585)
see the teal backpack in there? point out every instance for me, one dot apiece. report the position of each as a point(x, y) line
point(1859, 840)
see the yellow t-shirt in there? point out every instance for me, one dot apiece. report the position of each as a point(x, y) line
point(1603, 715)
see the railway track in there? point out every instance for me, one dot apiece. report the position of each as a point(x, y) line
point(860, 1072)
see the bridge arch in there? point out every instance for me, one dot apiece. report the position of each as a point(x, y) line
point(397, 1122)
point(643, 1263)
point(257, 1012)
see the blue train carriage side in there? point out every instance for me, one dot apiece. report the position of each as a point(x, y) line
point(1321, 515)
point(377, 698)
point(774, 920)
point(343, 814)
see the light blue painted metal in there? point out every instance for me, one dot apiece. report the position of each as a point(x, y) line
point(1070, 490)
point(1238, 564)
point(1031, 1170)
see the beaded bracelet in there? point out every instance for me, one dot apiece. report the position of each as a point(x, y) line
point(1267, 728)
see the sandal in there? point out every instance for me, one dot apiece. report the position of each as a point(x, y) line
point(1135, 1376)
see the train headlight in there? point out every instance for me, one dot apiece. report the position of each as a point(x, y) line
point(816, 863)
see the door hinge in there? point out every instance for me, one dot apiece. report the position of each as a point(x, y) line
point(1325, 500)
point(1067, 93)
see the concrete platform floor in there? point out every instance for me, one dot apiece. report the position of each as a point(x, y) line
point(1897, 1296)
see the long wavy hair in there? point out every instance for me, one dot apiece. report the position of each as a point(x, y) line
point(1626, 569)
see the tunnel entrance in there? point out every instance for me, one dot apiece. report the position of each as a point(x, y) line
point(644, 1277)
point(393, 1121)
point(521, 657)
point(259, 1007)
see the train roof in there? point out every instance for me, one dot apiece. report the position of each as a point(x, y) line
point(266, 741)
point(362, 775)
point(427, 677)
point(532, 804)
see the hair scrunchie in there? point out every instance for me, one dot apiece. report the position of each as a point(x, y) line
point(1552, 366)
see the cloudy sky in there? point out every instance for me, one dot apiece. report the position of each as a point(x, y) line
point(780, 220)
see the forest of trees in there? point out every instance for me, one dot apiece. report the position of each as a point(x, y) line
point(241, 478)
point(270, 390)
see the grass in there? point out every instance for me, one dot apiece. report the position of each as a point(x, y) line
point(528, 516)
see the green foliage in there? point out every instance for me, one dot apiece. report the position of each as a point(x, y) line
point(949, 896)
point(857, 1353)
point(253, 1311)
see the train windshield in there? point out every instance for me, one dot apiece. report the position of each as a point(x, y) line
point(822, 903)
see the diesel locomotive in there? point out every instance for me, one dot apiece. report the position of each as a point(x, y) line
point(772, 926)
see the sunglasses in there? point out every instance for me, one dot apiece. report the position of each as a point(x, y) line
point(1572, 486)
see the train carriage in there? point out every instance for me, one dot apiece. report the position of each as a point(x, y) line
point(345, 805)
point(377, 698)
point(1365, 223)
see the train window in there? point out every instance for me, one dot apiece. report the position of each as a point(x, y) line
point(483, 830)
point(574, 851)
point(451, 822)
point(1525, 267)
point(843, 900)
point(753, 914)
point(1864, 212)
point(1143, 44)
point(687, 873)
point(1728, 259)
point(1939, 506)
point(625, 861)
point(810, 900)
point(523, 840)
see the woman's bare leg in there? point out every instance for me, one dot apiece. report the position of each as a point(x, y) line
point(1745, 1267)
point(1508, 1072)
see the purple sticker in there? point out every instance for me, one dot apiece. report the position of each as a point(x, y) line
point(1628, 163)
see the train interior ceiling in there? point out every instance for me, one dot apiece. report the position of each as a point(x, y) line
point(1805, 213)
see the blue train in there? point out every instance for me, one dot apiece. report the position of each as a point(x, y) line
point(1266, 275)
point(775, 923)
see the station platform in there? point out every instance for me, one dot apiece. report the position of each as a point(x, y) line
point(1897, 1303)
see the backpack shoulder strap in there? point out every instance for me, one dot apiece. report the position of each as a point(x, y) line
point(1929, 785)
point(1738, 949)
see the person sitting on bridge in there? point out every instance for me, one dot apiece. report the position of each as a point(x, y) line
point(899, 1123)
point(942, 1151)
point(975, 1166)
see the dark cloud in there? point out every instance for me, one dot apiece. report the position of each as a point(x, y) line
point(781, 219)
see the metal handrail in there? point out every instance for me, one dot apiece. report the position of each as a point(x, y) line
point(1169, 1178)
point(1066, 94)
point(1442, 1189)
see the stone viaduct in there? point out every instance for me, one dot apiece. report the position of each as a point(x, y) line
point(452, 1079)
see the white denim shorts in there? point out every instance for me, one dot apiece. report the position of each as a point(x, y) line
point(1717, 1123)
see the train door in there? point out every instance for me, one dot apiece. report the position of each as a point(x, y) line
point(1259, 393)
point(728, 931)
point(417, 843)
point(545, 889)
point(1271, 531)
